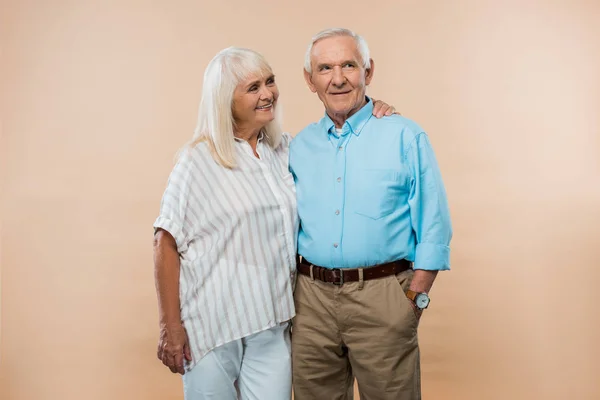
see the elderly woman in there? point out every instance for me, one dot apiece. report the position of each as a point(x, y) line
point(225, 240)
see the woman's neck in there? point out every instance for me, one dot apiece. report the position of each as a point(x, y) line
point(250, 136)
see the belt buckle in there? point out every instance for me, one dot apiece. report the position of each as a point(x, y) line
point(341, 282)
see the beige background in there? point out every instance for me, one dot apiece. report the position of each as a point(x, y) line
point(96, 97)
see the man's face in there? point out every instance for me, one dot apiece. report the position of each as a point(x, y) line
point(338, 76)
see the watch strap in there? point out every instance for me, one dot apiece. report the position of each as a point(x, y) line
point(412, 295)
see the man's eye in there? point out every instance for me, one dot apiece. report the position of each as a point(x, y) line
point(324, 68)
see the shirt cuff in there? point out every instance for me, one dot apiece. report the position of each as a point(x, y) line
point(174, 229)
point(432, 257)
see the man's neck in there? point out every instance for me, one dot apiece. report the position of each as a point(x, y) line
point(340, 119)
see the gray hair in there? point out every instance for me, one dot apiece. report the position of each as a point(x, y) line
point(361, 45)
point(215, 124)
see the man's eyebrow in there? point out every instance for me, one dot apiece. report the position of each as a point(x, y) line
point(353, 62)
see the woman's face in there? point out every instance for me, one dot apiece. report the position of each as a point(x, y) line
point(254, 101)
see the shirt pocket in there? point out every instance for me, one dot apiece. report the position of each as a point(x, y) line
point(380, 190)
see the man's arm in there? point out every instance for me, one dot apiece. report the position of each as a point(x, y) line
point(430, 215)
point(422, 281)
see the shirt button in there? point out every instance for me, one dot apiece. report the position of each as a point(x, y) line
point(339, 179)
point(337, 212)
point(335, 245)
point(341, 148)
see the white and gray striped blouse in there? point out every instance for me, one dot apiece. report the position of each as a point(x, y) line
point(236, 235)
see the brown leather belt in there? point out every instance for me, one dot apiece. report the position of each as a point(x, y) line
point(338, 276)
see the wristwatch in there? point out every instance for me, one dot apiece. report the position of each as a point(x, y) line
point(421, 300)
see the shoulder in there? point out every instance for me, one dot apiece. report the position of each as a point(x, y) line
point(286, 140)
point(398, 125)
point(396, 132)
point(195, 151)
point(307, 134)
point(283, 147)
point(193, 156)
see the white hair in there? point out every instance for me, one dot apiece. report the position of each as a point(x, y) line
point(361, 45)
point(216, 124)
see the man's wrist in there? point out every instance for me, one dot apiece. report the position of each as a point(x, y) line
point(419, 299)
point(418, 290)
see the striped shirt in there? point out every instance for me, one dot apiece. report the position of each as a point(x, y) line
point(236, 235)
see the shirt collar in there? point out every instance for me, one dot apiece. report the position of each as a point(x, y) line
point(354, 124)
point(260, 138)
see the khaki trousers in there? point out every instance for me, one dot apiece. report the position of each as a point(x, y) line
point(348, 331)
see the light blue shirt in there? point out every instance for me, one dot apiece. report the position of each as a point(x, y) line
point(370, 194)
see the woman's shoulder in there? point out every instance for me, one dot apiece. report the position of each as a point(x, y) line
point(193, 153)
point(286, 139)
point(198, 148)
point(283, 147)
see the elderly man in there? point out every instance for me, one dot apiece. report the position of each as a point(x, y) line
point(374, 231)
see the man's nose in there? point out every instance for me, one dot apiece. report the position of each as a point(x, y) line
point(338, 78)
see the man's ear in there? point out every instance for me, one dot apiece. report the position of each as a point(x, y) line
point(369, 72)
point(307, 78)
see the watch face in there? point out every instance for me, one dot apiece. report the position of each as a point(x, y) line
point(422, 300)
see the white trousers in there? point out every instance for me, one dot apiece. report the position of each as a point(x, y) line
point(257, 367)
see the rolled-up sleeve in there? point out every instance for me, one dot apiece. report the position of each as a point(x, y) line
point(174, 206)
point(429, 211)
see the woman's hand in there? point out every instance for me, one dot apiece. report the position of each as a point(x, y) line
point(173, 347)
point(380, 109)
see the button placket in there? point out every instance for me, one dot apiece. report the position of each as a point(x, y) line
point(339, 174)
point(279, 195)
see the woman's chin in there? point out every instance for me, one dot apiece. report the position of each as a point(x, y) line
point(265, 120)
